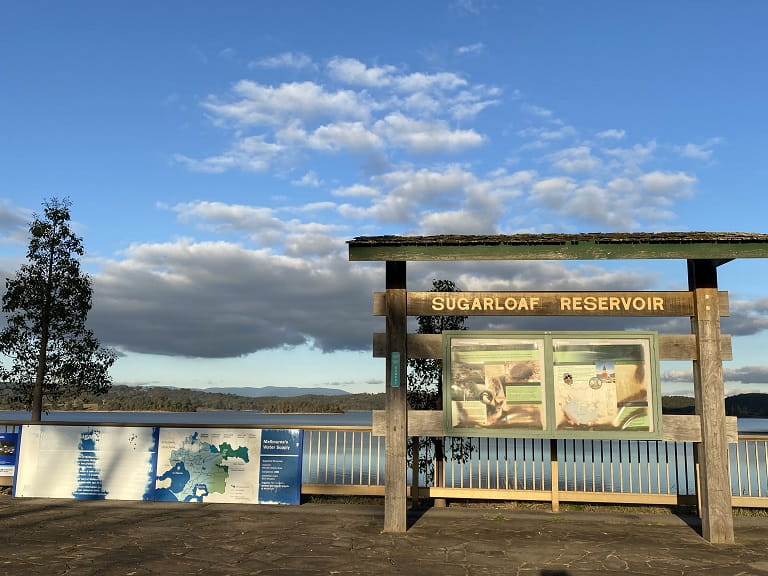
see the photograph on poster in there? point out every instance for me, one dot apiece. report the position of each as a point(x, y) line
point(602, 384)
point(498, 383)
point(557, 384)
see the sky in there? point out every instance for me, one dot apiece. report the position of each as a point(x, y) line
point(219, 157)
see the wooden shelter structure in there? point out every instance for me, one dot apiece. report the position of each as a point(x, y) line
point(705, 346)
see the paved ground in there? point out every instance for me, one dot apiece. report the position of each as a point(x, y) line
point(54, 537)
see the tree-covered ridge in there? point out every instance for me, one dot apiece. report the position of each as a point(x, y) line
point(149, 399)
point(753, 405)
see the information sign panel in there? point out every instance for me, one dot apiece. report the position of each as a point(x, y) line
point(247, 466)
point(8, 442)
point(553, 384)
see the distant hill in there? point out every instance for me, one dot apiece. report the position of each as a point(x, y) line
point(278, 391)
point(753, 405)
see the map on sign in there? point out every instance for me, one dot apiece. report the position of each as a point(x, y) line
point(208, 465)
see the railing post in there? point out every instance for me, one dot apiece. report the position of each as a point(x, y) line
point(554, 475)
point(415, 456)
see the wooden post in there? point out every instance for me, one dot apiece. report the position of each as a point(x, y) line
point(395, 489)
point(714, 483)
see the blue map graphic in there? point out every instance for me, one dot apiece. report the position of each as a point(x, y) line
point(197, 469)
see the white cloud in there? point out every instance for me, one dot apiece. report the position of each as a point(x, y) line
point(476, 48)
point(576, 159)
point(260, 105)
point(620, 203)
point(541, 137)
point(534, 110)
point(357, 190)
point(352, 136)
point(386, 111)
point(457, 222)
point(634, 156)
point(250, 154)
point(668, 185)
point(352, 71)
point(310, 179)
point(702, 151)
point(419, 136)
point(611, 134)
point(295, 60)
point(258, 223)
point(408, 193)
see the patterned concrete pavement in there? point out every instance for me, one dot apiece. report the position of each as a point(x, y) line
point(58, 537)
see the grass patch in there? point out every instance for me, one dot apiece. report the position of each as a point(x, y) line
point(341, 499)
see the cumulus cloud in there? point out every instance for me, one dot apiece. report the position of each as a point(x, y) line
point(411, 144)
point(575, 159)
point(261, 105)
point(426, 136)
point(185, 300)
point(223, 299)
point(370, 110)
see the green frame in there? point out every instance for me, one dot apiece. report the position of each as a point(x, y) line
point(552, 384)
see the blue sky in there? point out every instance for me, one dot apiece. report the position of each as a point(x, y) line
point(219, 155)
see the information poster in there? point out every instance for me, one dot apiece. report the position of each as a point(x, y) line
point(554, 384)
point(8, 441)
point(247, 466)
point(602, 384)
point(86, 462)
point(280, 467)
point(498, 383)
point(229, 465)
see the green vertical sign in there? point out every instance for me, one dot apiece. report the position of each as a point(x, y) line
point(395, 380)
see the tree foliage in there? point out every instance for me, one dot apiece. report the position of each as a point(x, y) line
point(425, 390)
point(50, 351)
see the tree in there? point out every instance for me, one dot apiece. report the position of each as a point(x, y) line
point(425, 390)
point(51, 352)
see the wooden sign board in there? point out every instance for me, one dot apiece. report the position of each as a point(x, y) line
point(554, 304)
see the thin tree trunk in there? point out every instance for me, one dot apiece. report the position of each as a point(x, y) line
point(37, 391)
point(42, 355)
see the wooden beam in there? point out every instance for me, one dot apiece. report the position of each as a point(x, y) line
point(714, 477)
point(671, 346)
point(550, 303)
point(675, 427)
point(395, 502)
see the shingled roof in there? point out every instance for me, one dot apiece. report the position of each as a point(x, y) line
point(718, 246)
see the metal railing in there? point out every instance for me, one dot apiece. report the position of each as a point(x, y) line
point(619, 471)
